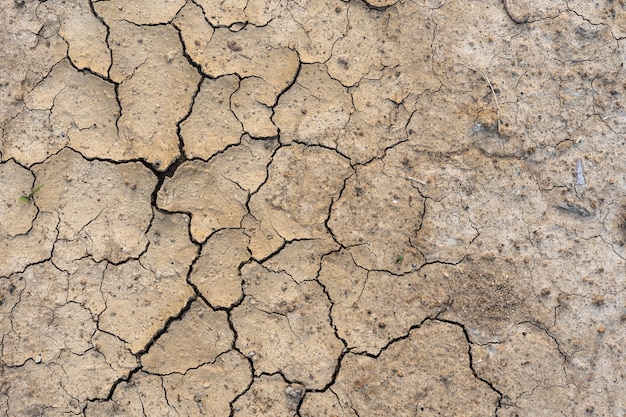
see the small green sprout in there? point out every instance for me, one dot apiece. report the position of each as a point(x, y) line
point(399, 259)
point(29, 197)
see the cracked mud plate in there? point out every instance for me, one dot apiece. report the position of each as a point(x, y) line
point(312, 208)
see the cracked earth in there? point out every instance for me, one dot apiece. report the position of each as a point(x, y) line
point(312, 208)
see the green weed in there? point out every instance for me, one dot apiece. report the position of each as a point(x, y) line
point(29, 197)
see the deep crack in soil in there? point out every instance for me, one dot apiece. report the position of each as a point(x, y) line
point(315, 208)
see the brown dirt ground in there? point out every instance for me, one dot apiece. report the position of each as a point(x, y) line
point(312, 208)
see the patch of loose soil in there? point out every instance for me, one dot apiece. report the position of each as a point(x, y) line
point(318, 208)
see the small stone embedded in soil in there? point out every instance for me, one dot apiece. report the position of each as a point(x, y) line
point(287, 326)
point(197, 338)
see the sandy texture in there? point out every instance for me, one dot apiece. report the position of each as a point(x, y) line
point(312, 208)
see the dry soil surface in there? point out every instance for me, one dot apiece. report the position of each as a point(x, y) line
point(312, 208)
